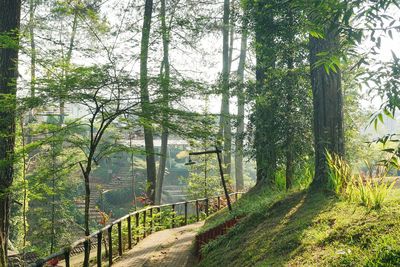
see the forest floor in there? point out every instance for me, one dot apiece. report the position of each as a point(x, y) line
point(168, 248)
point(305, 228)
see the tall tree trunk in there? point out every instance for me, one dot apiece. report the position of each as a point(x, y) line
point(145, 102)
point(328, 106)
point(10, 11)
point(264, 141)
point(165, 82)
point(291, 83)
point(32, 7)
point(231, 34)
point(226, 121)
point(240, 116)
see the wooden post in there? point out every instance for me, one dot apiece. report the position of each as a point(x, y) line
point(137, 218)
point(221, 172)
point(120, 238)
point(129, 233)
point(67, 257)
point(236, 196)
point(99, 239)
point(219, 202)
point(173, 215)
point(197, 211)
point(207, 207)
point(144, 223)
point(186, 213)
point(159, 219)
point(110, 247)
point(151, 220)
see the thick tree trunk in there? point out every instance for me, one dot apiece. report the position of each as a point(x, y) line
point(145, 99)
point(328, 107)
point(226, 121)
point(9, 25)
point(240, 116)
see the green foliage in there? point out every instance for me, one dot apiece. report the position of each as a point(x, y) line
point(339, 175)
point(370, 190)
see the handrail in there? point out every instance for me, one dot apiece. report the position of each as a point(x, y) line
point(65, 253)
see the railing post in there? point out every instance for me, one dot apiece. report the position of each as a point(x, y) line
point(67, 256)
point(129, 232)
point(159, 219)
point(120, 238)
point(219, 202)
point(137, 217)
point(207, 207)
point(99, 239)
point(144, 223)
point(197, 211)
point(151, 220)
point(110, 246)
point(173, 215)
point(186, 213)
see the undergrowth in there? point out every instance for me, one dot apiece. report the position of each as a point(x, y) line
point(369, 189)
point(308, 228)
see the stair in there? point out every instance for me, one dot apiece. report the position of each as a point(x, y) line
point(122, 180)
point(173, 193)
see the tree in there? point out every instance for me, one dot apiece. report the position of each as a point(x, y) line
point(145, 101)
point(225, 117)
point(9, 38)
point(165, 83)
point(327, 100)
point(239, 147)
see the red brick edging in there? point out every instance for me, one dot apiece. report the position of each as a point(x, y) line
point(213, 233)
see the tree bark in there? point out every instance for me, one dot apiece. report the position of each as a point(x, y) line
point(165, 82)
point(240, 116)
point(10, 12)
point(264, 141)
point(32, 7)
point(226, 121)
point(145, 102)
point(290, 88)
point(328, 106)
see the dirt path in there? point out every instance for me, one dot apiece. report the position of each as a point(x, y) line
point(168, 248)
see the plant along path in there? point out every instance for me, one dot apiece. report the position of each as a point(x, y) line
point(168, 248)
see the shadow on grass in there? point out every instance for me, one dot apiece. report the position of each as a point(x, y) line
point(268, 237)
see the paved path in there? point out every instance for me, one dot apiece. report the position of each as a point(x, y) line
point(168, 248)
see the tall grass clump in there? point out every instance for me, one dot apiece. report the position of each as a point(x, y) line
point(369, 190)
point(340, 176)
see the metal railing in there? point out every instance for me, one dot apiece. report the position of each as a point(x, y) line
point(139, 224)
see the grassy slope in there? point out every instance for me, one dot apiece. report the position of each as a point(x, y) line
point(307, 229)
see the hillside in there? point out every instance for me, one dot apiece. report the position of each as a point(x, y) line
point(307, 229)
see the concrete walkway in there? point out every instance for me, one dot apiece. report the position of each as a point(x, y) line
point(168, 248)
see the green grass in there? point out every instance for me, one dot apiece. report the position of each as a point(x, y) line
point(306, 229)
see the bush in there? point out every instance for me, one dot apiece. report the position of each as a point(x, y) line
point(370, 190)
point(339, 174)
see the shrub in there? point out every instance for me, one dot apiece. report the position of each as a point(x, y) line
point(369, 190)
point(372, 192)
point(339, 174)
